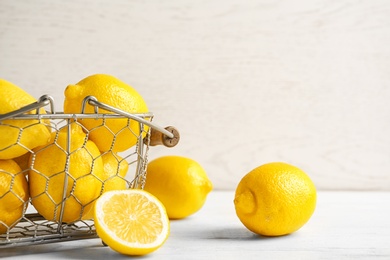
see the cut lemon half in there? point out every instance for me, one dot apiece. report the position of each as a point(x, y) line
point(131, 222)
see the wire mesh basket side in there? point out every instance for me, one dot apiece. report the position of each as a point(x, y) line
point(32, 227)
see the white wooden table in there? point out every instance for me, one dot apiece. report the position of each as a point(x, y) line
point(345, 225)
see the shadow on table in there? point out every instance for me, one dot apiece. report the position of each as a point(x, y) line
point(233, 233)
point(60, 248)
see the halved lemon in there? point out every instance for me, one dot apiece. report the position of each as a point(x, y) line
point(131, 222)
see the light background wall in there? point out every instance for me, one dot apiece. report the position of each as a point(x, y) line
point(245, 82)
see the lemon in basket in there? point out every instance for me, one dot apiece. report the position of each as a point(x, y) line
point(109, 134)
point(58, 175)
point(23, 161)
point(19, 136)
point(131, 222)
point(275, 199)
point(13, 194)
point(180, 183)
point(115, 170)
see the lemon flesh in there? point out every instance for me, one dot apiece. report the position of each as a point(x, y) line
point(131, 222)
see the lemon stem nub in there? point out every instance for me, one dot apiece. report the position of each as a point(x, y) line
point(246, 202)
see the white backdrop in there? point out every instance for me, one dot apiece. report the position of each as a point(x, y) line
point(245, 82)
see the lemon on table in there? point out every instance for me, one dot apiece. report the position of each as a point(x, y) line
point(131, 222)
point(13, 195)
point(17, 137)
point(112, 134)
point(180, 183)
point(51, 164)
point(275, 199)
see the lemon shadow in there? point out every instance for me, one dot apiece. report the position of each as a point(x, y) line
point(237, 233)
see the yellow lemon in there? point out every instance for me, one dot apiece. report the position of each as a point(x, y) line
point(71, 177)
point(13, 195)
point(180, 183)
point(275, 199)
point(115, 170)
point(17, 137)
point(23, 161)
point(109, 134)
point(131, 222)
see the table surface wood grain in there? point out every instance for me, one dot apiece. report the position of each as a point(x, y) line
point(345, 225)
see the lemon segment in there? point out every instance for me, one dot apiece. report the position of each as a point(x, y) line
point(131, 222)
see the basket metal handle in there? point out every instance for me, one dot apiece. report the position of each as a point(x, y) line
point(158, 138)
point(42, 102)
point(168, 136)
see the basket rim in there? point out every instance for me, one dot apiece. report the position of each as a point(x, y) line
point(114, 112)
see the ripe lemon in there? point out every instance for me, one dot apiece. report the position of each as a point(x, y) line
point(115, 170)
point(13, 194)
point(84, 172)
point(275, 199)
point(131, 222)
point(112, 134)
point(17, 137)
point(180, 183)
point(23, 161)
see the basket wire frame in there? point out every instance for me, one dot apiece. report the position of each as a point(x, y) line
point(32, 228)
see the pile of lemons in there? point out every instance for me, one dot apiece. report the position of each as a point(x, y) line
point(68, 183)
point(273, 199)
point(32, 150)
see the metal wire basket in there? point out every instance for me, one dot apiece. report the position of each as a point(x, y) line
point(32, 227)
